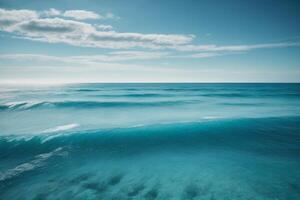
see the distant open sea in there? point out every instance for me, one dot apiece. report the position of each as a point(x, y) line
point(150, 141)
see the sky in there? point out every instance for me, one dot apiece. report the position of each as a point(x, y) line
point(75, 41)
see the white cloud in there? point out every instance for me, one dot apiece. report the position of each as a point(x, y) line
point(51, 12)
point(46, 26)
point(9, 18)
point(82, 14)
point(77, 14)
point(102, 27)
point(118, 56)
point(117, 40)
point(216, 48)
point(53, 30)
point(85, 60)
point(29, 25)
point(28, 57)
point(203, 55)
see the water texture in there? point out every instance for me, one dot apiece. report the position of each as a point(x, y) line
point(150, 141)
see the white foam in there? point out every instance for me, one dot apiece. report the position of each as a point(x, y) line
point(13, 104)
point(61, 128)
point(22, 104)
point(211, 117)
point(137, 125)
point(37, 162)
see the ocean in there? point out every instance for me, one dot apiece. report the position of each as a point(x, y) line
point(150, 141)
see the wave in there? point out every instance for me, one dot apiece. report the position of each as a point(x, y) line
point(23, 105)
point(253, 95)
point(225, 95)
point(61, 128)
point(104, 89)
point(276, 136)
point(138, 95)
point(88, 90)
point(86, 104)
point(242, 104)
point(37, 162)
point(200, 93)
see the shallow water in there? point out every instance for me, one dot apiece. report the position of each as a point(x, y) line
point(150, 141)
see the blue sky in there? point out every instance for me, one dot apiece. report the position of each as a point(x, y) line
point(149, 41)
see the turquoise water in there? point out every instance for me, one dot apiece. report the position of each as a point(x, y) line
point(150, 141)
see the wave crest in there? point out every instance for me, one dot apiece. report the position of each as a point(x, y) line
point(38, 161)
point(86, 104)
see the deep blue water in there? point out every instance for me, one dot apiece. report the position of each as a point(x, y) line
point(150, 141)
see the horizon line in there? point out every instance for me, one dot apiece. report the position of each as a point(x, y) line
point(69, 83)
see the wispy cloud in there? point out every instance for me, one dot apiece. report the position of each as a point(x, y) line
point(29, 25)
point(102, 27)
point(55, 26)
point(82, 14)
point(228, 48)
point(77, 14)
point(203, 55)
point(51, 12)
point(85, 60)
point(9, 18)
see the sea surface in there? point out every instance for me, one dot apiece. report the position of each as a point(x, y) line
point(150, 141)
